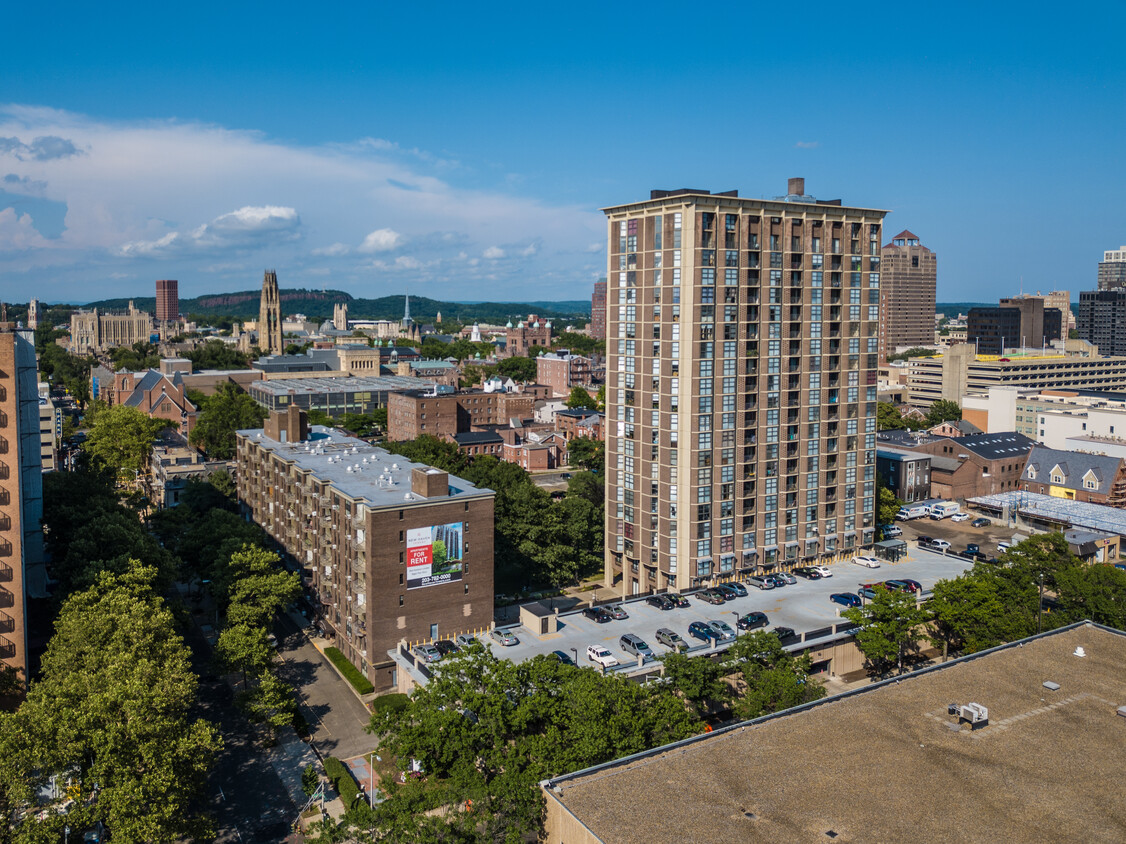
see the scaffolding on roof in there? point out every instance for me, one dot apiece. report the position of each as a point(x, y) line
point(1061, 511)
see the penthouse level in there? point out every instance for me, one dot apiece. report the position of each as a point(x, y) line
point(392, 550)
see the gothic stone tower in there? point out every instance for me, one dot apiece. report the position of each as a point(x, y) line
point(269, 316)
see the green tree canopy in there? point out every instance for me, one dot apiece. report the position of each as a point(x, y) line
point(888, 417)
point(890, 627)
point(121, 439)
point(215, 354)
point(587, 453)
point(943, 411)
point(580, 397)
point(141, 355)
point(517, 368)
point(229, 410)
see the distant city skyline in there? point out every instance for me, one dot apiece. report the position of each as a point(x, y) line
point(465, 155)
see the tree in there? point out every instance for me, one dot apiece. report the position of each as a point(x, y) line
point(269, 701)
point(215, 354)
point(1095, 592)
point(981, 609)
point(773, 678)
point(587, 453)
point(141, 355)
point(699, 679)
point(887, 505)
point(244, 649)
point(310, 779)
point(941, 411)
point(581, 397)
point(260, 588)
point(114, 706)
point(431, 451)
point(888, 417)
point(888, 629)
point(518, 368)
point(601, 397)
point(229, 410)
point(121, 440)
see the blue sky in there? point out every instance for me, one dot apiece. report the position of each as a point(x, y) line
point(463, 152)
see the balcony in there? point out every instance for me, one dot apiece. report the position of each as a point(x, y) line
point(7, 623)
point(6, 573)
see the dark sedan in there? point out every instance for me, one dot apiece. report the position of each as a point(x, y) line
point(727, 591)
point(661, 602)
point(562, 657)
point(783, 633)
point(752, 621)
point(677, 599)
point(710, 596)
point(740, 589)
point(598, 614)
point(980, 523)
point(700, 630)
point(808, 573)
point(846, 599)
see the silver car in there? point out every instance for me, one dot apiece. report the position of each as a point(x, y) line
point(723, 631)
point(760, 582)
point(426, 653)
point(503, 636)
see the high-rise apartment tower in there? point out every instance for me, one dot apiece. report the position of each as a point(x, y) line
point(1112, 269)
point(908, 277)
point(167, 300)
point(741, 384)
point(269, 316)
point(598, 310)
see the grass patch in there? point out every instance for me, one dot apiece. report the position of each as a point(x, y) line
point(390, 703)
point(359, 682)
point(342, 780)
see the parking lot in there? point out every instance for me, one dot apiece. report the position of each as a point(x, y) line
point(958, 534)
point(803, 606)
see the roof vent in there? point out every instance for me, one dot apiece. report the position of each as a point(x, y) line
point(1050, 686)
point(1079, 651)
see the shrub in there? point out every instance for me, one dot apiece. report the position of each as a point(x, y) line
point(361, 683)
point(342, 780)
point(390, 703)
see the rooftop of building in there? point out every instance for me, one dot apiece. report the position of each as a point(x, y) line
point(900, 454)
point(357, 469)
point(996, 446)
point(731, 197)
point(887, 762)
point(478, 438)
point(1077, 467)
point(356, 383)
point(1055, 510)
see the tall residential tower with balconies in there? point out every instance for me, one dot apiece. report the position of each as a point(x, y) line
point(741, 385)
point(909, 278)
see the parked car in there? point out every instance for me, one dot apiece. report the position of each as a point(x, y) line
point(914, 584)
point(700, 630)
point(727, 591)
point(710, 596)
point(677, 599)
point(980, 522)
point(617, 611)
point(446, 647)
point(960, 517)
point(899, 586)
point(504, 637)
point(1004, 545)
point(783, 633)
point(740, 589)
point(600, 656)
point(867, 562)
point(466, 640)
point(427, 653)
point(940, 545)
point(808, 572)
point(924, 540)
point(752, 621)
point(761, 582)
point(671, 639)
point(846, 599)
point(661, 602)
point(563, 657)
point(634, 644)
point(723, 630)
point(822, 570)
point(892, 531)
point(972, 548)
point(786, 577)
point(866, 592)
point(598, 614)
point(776, 579)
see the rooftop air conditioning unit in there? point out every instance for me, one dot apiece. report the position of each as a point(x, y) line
point(975, 713)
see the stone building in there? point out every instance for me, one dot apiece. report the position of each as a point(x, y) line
point(95, 331)
point(269, 316)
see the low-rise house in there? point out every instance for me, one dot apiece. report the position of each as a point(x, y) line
point(1077, 475)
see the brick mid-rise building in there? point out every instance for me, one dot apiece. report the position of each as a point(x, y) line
point(395, 552)
point(527, 334)
point(412, 413)
point(598, 310)
point(561, 371)
point(909, 276)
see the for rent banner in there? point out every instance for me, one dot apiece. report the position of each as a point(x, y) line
point(434, 554)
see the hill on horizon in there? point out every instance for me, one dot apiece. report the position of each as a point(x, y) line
point(317, 305)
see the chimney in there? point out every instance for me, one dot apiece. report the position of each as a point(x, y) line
point(796, 187)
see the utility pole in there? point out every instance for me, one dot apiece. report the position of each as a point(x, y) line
point(1040, 607)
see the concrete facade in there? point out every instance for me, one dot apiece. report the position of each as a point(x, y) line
point(269, 316)
point(909, 277)
point(95, 331)
point(598, 310)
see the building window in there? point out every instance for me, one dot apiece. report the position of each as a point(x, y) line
point(400, 600)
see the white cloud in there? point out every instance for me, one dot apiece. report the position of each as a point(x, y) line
point(381, 240)
point(17, 232)
point(188, 196)
point(807, 144)
point(596, 247)
point(247, 227)
point(406, 262)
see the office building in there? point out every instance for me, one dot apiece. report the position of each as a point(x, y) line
point(335, 396)
point(906, 473)
point(167, 300)
point(95, 331)
point(598, 310)
point(959, 372)
point(740, 384)
point(1112, 269)
point(1058, 299)
point(1018, 323)
point(395, 552)
point(50, 428)
point(21, 492)
point(444, 413)
point(908, 278)
point(970, 750)
point(269, 316)
point(1102, 319)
